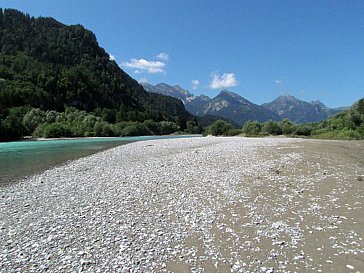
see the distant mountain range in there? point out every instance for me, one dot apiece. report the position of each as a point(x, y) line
point(231, 106)
point(300, 111)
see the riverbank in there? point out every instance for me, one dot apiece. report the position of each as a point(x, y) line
point(183, 205)
point(19, 159)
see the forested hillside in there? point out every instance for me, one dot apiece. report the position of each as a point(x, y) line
point(48, 66)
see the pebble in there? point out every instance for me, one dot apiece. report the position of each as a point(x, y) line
point(134, 208)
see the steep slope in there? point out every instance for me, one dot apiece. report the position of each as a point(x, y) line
point(48, 65)
point(296, 110)
point(234, 107)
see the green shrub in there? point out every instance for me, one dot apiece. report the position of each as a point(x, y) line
point(107, 130)
point(234, 132)
point(287, 127)
point(348, 134)
point(303, 130)
point(252, 127)
point(58, 129)
point(272, 128)
point(324, 134)
point(90, 134)
point(167, 127)
point(219, 128)
point(137, 129)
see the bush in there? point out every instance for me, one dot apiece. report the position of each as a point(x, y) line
point(303, 130)
point(153, 126)
point(167, 127)
point(252, 127)
point(234, 132)
point(33, 118)
point(272, 128)
point(54, 130)
point(193, 127)
point(137, 129)
point(324, 134)
point(348, 134)
point(89, 134)
point(98, 128)
point(107, 130)
point(219, 128)
point(287, 127)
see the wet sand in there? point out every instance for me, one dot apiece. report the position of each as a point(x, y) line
point(192, 205)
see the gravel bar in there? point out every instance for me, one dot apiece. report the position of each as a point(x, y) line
point(208, 204)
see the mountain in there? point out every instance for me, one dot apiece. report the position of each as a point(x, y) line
point(167, 90)
point(193, 104)
point(234, 107)
point(299, 111)
point(48, 65)
point(226, 105)
point(330, 111)
point(196, 106)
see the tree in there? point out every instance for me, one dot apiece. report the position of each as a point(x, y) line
point(33, 118)
point(52, 116)
point(59, 129)
point(12, 126)
point(352, 120)
point(252, 127)
point(136, 129)
point(193, 127)
point(219, 128)
point(107, 130)
point(167, 127)
point(271, 128)
point(303, 130)
point(287, 127)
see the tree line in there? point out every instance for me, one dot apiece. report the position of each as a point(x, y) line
point(348, 124)
point(79, 123)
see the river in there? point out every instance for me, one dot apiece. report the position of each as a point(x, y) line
point(19, 159)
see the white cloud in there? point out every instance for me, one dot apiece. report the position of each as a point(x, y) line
point(163, 56)
point(195, 84)
point(142, 65)
point(112, 57)
point(278, 82)
point(224, 81)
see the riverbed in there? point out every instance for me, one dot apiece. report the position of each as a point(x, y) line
point(209, 204)
point(19, 159)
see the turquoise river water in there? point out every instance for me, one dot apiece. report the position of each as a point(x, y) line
point(21, 158)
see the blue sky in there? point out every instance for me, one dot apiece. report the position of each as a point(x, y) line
point(258, 49)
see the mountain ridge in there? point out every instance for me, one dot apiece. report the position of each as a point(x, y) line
point(226, 104)
point(299, 111)
point(285, 106)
